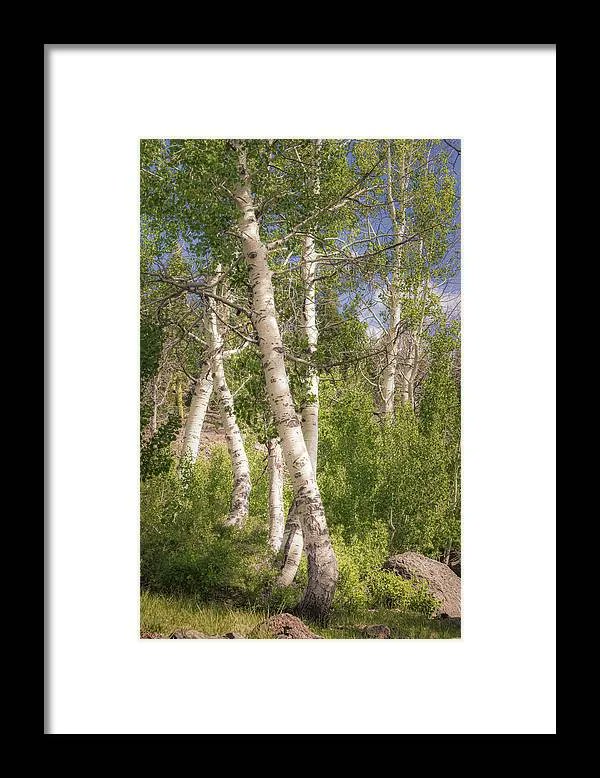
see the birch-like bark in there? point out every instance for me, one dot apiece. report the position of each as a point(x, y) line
point(308, 269)
point(408, 370)
point(276, 514)
point(322, 564)
point(292, 546)
point(240, 496)
point(413, 352)
point(293, 541)
point(388, 383)
point(310, 412)
point(195, 420)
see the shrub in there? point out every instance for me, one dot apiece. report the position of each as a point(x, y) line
point(364, 584)
point(388, 590)
point(384, 489)
point(404, 475)
point(186, 547)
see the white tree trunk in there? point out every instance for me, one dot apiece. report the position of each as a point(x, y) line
point(276, 514)
point(195, 420)
point(322, 564)
point(310, 412)
point(293, 541)
point(235, 442)
point(292, 546)
point(388, 384)
point(408, 372)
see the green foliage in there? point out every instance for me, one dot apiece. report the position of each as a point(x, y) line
point(388, 590)
point(155, 453)
point(151, 340)
point(364, 584)
point(245, 378)
point(404, 474)
point(186, 547)
point(386, 487)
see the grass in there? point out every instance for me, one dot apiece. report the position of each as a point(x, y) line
point(162, 614)
point(402, 625)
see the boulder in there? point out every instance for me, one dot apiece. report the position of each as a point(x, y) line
point(233, 635)
point(283, 625)
point(442, 583)
point(380, 631)
point(150, 635)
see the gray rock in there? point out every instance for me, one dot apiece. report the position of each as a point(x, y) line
point(442, 583)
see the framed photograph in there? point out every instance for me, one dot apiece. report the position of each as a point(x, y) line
point(287, 315)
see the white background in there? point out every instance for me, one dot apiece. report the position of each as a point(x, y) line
point(499, 678)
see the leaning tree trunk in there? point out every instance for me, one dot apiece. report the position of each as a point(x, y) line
point(322, 564)
point(292, 546)
point(235, 442)
point(293, 541)
point(308, 269)
point(195, 420)
point(388, 383)
point(276, 513)
point(410, 369)
point(310, 411)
